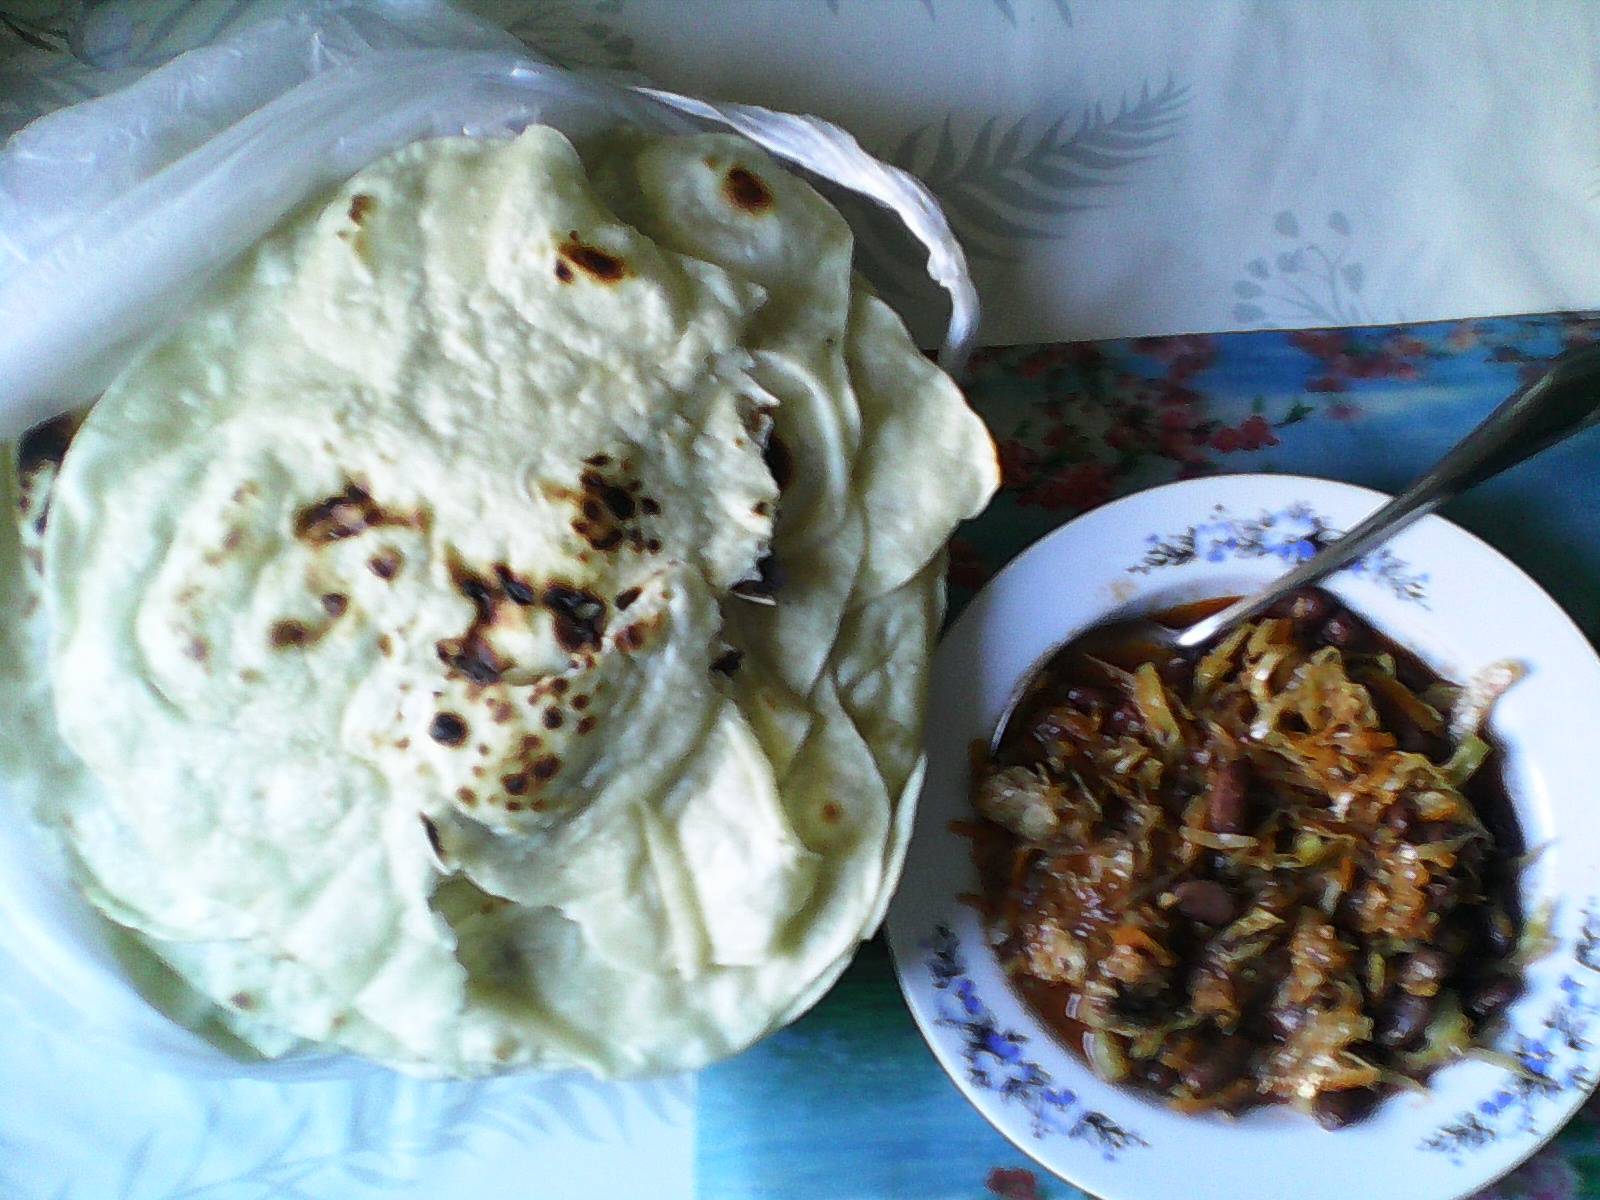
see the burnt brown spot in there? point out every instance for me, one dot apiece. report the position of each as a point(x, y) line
point(618, 501)
point(517, 589)
point(831, 811)
point(598, 460)
point(198, 649)
point(335, 604)
point(471, 654)
point(552, 718)
point(473, 657)
point(761, 508)
point(592, 510)
point(728, 661)
point(632, 637)
point(242, 1000)
point(580, 702)
point(467, 796)
point(287, 633)
point(563, 272)
point(448, 729)
point(516, 784)
point(500, 711)
point(514, 806)
point(651, 507)
point(545, 767)
point(559, 686)
point(625, 598)
point(350, 512)
point(403, 744)
point(385, 644)
point(580, 616)
point(593, 261)
point(360, 206)
point(46, 443)
point(779, 461)
point(531, 742)
point(744, 189)
point(586, 725)
point(232, 538)
point(432, 830)
point(385, 565)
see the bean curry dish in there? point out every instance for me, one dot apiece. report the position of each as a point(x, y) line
point(1278, 870)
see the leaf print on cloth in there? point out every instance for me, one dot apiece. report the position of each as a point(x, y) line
point(393, 1130)
point(1020, 179)
point(1304, 280)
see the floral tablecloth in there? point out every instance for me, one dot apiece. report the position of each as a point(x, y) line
point(1116, 170)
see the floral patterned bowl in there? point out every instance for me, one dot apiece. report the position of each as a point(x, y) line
point(1435, 588)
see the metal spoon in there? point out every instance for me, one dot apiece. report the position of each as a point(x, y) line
point(1563, 401)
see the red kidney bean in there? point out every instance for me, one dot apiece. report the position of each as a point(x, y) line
point(1346, 631)
point(1498, 933)
point(1088, 699)
point(1227, 791)
point(1157, 1076)
point(1398, 817)
point(1178, 674)
point(1306, 607)
point(1424, 971)
point(1404, 1020)
point(1204, 900)
point(1490, 996)
point(1288, 1021)
point(1125, 718)
point(1336, 1110)
point(1218, 1066)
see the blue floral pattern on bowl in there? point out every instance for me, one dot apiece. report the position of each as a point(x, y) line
point(1545, 1070)
point(996, 1062)
point(1289, 534)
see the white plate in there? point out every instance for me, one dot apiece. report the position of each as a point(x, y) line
point(1436, 589)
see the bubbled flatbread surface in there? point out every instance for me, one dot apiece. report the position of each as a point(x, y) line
point(492, 631)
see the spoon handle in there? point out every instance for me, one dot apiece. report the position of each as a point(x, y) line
point(1563, 401)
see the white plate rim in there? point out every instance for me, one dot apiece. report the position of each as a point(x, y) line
point(1083, 1157)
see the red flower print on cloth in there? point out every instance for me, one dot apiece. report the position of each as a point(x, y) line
point(1184, 356)
point(967, 568)
point(1013, 1183)
point(1253, 433)
point(1080, 487)
point(1345, 355)
point(1019, 463)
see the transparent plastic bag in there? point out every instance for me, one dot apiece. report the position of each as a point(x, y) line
point(116, 212)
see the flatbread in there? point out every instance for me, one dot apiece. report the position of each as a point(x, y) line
point(491, 632)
